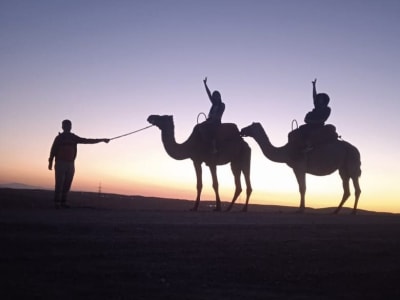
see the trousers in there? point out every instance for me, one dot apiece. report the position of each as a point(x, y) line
point(64, 173)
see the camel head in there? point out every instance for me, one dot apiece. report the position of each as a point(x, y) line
point(250, 130)
point(161, 122)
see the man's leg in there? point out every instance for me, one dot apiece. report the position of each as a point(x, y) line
point(59, 172)
point(69, 176)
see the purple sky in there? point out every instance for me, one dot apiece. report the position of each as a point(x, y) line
point(107, 65)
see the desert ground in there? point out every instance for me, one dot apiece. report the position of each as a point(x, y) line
point(132, 247)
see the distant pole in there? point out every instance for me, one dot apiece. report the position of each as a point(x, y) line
point(99, 189)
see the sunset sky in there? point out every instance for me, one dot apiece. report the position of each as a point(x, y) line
point(108, 65)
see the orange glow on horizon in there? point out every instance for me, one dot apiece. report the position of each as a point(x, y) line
point(261, 195)
point(273, 184)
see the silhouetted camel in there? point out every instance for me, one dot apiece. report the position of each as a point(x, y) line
point(322, 160)
point(232, 148)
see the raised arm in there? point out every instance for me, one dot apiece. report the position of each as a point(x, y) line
point(207, 89)
point(314, 82)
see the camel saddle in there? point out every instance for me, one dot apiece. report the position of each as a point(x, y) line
point(313, 136)
point(220, 132)
point(227, 131)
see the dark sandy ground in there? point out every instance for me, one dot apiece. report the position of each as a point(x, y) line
point(114, 247)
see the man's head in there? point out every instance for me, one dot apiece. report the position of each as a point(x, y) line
point(66, 125)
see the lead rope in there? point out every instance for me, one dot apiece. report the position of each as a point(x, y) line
point(120, 136)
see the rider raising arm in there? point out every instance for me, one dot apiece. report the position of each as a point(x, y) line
point(217, 108)
point(321, 110)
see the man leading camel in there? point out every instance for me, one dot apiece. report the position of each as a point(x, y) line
point(64, 150)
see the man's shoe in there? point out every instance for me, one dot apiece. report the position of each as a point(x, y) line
point(63, 205)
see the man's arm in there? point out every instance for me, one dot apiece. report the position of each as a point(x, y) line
point(207, 89)
point(80, 140)
point(53, 151)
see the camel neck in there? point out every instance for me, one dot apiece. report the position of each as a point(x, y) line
point(175, 150)
point(276, 154)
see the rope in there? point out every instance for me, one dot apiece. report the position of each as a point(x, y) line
point(120, 136)
point(200, 115)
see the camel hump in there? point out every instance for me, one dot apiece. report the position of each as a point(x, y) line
point(227, 131)
point(315, 136)
point(221, 132)
point(324, 135)
point(306, 138)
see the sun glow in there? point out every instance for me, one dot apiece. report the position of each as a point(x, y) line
point(109, 72)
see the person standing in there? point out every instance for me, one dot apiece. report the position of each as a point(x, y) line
point(64, 151)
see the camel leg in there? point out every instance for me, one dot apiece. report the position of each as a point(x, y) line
point(346, 192)
point(246, 173)
point(357, 192)
point(301, 180)
point(238, 186)
point(199, 185)
point(213, 169)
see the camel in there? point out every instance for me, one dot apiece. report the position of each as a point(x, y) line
point(232, 148)
point(322, 160)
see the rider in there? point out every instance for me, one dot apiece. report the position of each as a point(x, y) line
point(215, 114)
point(313, 120)
point(317, 117)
